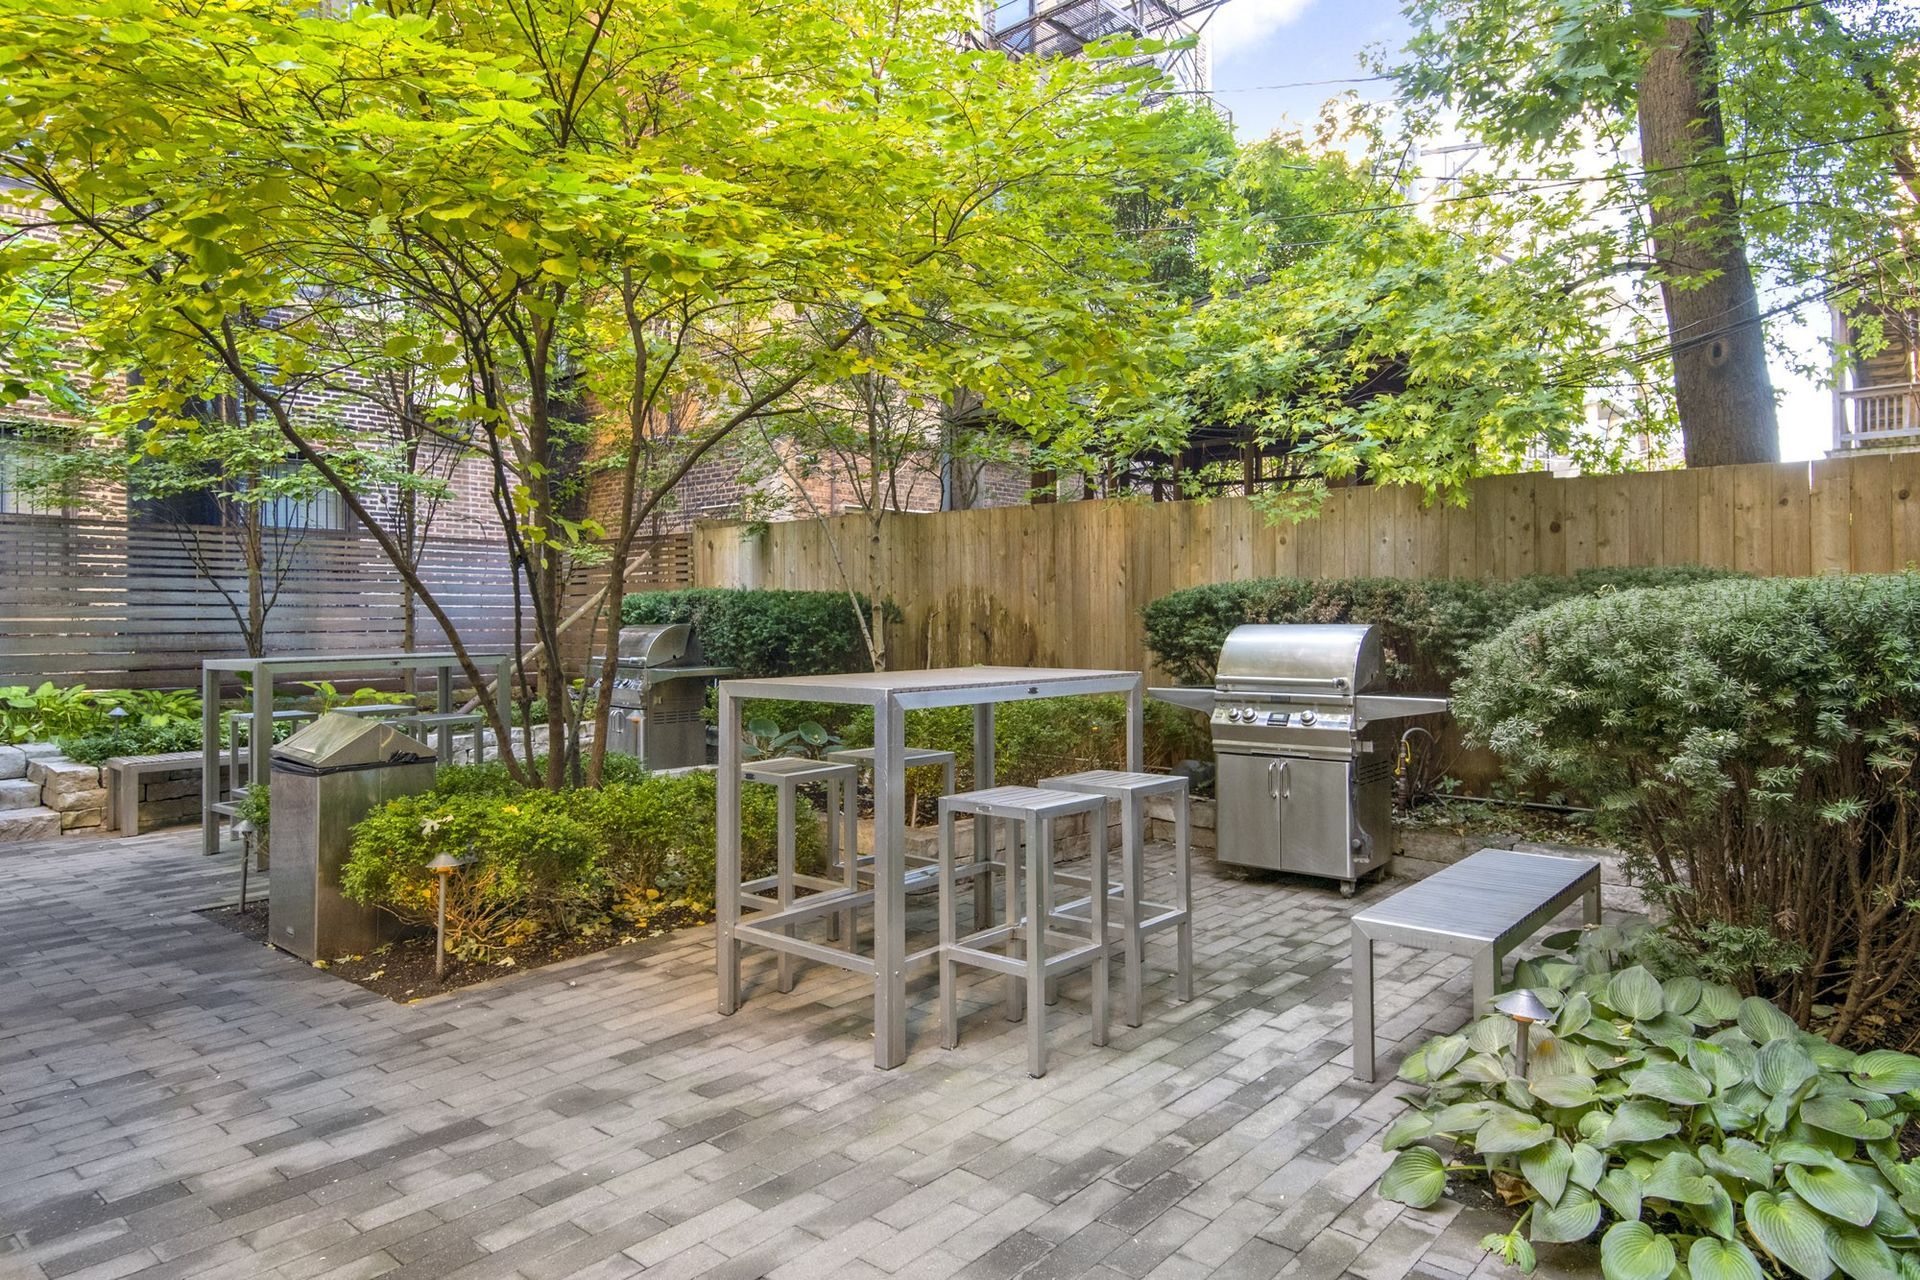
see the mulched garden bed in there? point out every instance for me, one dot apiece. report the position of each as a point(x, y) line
point(402, 971)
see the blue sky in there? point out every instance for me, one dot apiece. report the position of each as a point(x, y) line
point(1258, 44)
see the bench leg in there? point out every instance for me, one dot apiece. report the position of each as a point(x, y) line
point(1362, 1007)
point(1593, 904)
point(1486, 980)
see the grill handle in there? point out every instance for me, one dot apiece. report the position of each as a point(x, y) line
point(1280, 792)
point(1339, 683)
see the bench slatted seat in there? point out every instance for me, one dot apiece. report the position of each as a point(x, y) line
point(1483, 907)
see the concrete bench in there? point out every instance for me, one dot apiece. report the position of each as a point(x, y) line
point(122, 776)
point(1483, 907)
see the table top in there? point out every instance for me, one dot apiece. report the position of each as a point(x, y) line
point(942, 686)
point(1482, 896)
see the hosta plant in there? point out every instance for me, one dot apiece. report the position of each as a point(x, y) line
point(1698, 1133)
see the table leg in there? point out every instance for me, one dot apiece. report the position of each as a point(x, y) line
point(1486, 980)
point(1183, 871)
point(443, 703)
point(726, 896)
point(1362, 1006)
point(209, 760)
point(260, 732)
point(785, 804)
point(889, 885)
point(982, 828)
point(1102, 976)
point(1039, 852)
point(949, 976)
point(1136, 714)
point(1593, 901)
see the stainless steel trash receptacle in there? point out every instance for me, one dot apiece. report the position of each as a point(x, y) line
point(327, 777)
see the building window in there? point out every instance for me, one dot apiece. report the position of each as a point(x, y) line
point(15, 498)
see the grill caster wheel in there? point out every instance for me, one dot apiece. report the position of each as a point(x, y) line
point(1346, 888)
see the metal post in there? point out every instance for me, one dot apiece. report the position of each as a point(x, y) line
point(983, 826)
point(1136, 708)
point(260, 733)
point(726, 887)
point(889, 885)
point(440, 934)
point(209, 759)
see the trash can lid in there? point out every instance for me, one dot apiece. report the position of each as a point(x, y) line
point(336, 741)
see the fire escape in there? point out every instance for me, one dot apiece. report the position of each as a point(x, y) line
point(1062, 28)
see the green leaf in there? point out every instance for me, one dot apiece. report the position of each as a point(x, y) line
point(1621, 1190)
point(1509, 1130)
point(1444, 1054)
point(1711, 1259)
point(1636, 993)
point(1763, 1020)
point(1791, 1231)
point(1409, 1127)
point(1546, 1169)
point(1576, 1013)
point(1682, 993)
point(1588, 1164)
point(1462, 1117)
point(1670, 1082)
point(1718, 1001)
point(1738, 1158)
point(1574, 1218)
point(1838, 1115)
point(1861, 1254)
point(1885, 1071)
point(1838, 1192)
point(1417, 1177)
point(1782, 1067)
point(1678, 1177)
point(1562, 1090)
point(1638, 1121)
point(1633, 1251)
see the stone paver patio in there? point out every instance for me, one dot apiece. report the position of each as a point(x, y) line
point(176, 1101)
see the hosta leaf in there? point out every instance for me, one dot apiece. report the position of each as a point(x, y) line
point(1741, 1159)
point(1417, 1177)
point(1575, 1014)
point(1588, 1164)
point(1891, 1222)
point(1546, 1169)
point(1718, 1001)
point(1621, 1191)
point(1462, 1117)
point(1444, 1054)
point(1678, 1177)
point(1639, 1121)
point(1860, 1253)
point(1763, 1020)
point(1509, 1130)
point(1837, 1115)
point(1717, 1212)
point(1562, 1090)
point(1492, 1034)
point(1804, 1153)
point(1838, 1192)
point(1682, 993)
point(1670, 1082)
point(1711, 1259)
point(1634, 1251)
point(1636, 994)
point(1482, 1068)
point(1782, 1067)
point(1409, 1127)
point(1791, 1231)
point(1716, 1064)
point(1885, 1071)
point(1574, 1218)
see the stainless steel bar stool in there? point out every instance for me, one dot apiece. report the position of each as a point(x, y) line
point(1035, 930)
point(788, 774)
point(920, 875)
point(1140, 919)
point(446, 724)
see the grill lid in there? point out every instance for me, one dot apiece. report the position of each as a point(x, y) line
point(658, 646)
point(1308, 657)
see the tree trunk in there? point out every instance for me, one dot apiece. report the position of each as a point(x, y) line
point(1720, 377)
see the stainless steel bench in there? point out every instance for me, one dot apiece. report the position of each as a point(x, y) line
point(1483, 906)
point(122, 775)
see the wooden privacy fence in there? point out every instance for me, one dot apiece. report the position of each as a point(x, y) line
point(1064, 583)
point(114, 605)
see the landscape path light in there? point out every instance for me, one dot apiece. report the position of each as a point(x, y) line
point(1525, 1009)
point(442, 866)
point(244, 829)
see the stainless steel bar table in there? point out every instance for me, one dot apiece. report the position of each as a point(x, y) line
point(891, 694)
point(262, 672)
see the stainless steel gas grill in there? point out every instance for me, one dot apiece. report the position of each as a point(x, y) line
point(659, 691)
point(1304, 748)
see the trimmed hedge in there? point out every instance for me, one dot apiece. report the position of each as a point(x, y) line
point(1429, 624)
point(1755, 743)
point(764, 633)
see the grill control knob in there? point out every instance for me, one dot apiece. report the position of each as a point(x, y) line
point(1233, 713)
point(1247, 713)
point(1307, 717)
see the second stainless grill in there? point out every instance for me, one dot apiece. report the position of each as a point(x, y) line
point(659, 691)
point(1304, 748)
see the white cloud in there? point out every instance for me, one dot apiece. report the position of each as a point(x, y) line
point(1239, 27)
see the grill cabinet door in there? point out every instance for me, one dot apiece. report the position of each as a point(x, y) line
point(1286, 813)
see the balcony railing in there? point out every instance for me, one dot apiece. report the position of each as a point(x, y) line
point(1872, 416)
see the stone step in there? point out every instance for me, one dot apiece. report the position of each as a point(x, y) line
point(18, 793)
point(18, 826)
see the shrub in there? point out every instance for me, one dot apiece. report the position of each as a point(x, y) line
point(138, 738)
point(530, 864)
point(30, 714)
point(1428, 624)
point(660, 834)
point(764, 633)
point(1753, 742)
point(1695, 1126)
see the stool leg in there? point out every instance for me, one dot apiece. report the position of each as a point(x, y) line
point(1039, 853)
point(949, 977)
point(1012, 830)
point(850, 845)
point(1183, 886)
point(783, 870)
point(831, 793)
point(1131, 855)
point(1047, 898)
point(1098, 908)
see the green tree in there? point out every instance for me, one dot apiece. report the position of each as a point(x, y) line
point(1773, 139)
